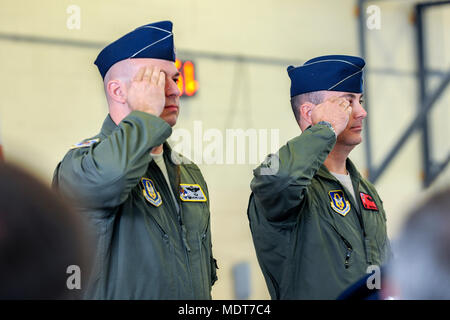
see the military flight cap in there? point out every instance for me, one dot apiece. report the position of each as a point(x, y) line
point(331, 73)
point(153, 40)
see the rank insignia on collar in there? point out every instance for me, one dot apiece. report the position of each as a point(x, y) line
point(86, 143)
point(192, 192)
point(150, 193)
point(338, 202)
point(368, 202)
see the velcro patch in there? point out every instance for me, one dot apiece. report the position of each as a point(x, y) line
point(86, 143)
point(150, 193)
point(338, 202)
point(192, 192)
point(368, 202)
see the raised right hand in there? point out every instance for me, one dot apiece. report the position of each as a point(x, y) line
point(147, 91)
point(335, 110)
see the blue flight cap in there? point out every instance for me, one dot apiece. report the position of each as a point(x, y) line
point(331, 73)
point(153, 40)
point(361, 291)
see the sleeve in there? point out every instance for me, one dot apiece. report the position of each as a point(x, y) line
point(280, 183)
point(102, 175)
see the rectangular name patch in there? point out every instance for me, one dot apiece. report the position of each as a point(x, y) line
point(192, 192)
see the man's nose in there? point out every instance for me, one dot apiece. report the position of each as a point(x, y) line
point(359, 111)
point(172, 88)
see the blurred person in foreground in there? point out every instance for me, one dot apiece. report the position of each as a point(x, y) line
point(317, 224)
point(421, 265)
point(43, 242)
point(148, 205)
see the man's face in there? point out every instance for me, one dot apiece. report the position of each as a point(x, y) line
point(351, 136)
point(171, 107)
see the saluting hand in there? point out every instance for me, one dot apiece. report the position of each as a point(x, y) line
point(335, 111)
point(146, 92)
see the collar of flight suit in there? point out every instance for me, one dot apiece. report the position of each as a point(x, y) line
point(355, 177)
point(170, 157)
point(354, 174)
point(108, 125)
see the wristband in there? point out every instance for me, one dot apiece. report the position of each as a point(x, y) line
point(326, 123)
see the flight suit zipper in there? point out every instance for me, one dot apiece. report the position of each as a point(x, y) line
point(348, 253)
point(348, 247)
point(355, 204)
point(163, 232)
point(181, 227)
point(360, 218)
point(201, 238)
point(187, 249)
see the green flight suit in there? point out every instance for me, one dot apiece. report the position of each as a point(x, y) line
point(312, 239)
point(145, 248)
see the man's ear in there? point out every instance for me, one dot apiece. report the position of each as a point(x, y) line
point(117, 91)
point(305, 112)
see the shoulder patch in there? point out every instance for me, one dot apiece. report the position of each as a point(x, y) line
point(192, 192)
point(338, 202)
point(86, 143)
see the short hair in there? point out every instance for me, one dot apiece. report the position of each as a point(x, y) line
point(315, 97)
point(40, 237)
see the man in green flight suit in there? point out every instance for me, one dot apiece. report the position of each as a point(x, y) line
point(148, 206)
point(316, 224)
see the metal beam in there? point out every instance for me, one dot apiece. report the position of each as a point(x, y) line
point(436, 169)
point(84, 44)
point(363, 54)
point(415, 125)
point(188, 53)
point(425, 101)
point(424, 4)
point(426, 147)
point(433, 4)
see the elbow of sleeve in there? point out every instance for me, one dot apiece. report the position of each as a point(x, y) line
point(269, 183)
point(93, 195)
point(279, 205)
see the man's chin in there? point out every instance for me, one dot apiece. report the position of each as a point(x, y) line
point(171, 119)
point(350, 141)
point(354, 142)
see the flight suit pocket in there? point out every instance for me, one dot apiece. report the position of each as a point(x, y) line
point(376, 231)
point(348, 248)
point(195, 216)
point(208, 263)
point(168, 256)
point(170, 266)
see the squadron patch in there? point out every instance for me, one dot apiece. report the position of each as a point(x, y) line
point(338, 202)
point(86, 143)
point(192, 192)
point(368, 202)
point(150, 193)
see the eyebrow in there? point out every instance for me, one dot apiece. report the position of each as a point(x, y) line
point(175, 75)
point(350, 95)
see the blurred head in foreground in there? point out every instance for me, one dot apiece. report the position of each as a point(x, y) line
point(421, 267)
point(42, 240)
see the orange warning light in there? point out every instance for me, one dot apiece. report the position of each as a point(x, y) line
point(187, 84)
